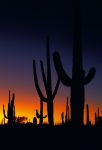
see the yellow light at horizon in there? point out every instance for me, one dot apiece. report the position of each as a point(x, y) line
point(26, 105)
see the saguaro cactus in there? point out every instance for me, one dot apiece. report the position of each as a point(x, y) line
point(62, 117)
point(50, 95)
point(87, 115)
point(79, 80)
point(40, 116)
point(11, 110)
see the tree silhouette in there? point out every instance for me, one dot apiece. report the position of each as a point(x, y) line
point(21, 120)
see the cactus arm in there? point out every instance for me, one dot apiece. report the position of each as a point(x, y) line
point(45, 116)
point(43, 74)
point(90, 76)
point(65, 79)
point(36, 83)
point(37, 114)
point(4, 112)
point(56, 88)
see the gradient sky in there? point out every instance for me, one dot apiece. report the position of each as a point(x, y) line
point(23, 30)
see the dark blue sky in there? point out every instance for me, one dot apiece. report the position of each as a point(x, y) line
point(23, 30)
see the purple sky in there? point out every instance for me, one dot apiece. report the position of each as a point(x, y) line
point(23, 30)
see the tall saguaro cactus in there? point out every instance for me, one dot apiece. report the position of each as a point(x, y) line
point(40, 116)
point(79, 79)
point(11, 110)
point(50, 95)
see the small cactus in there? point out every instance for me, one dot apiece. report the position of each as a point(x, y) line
point(62, 117)
point(67, 113)
point(95, 118)
point(40, 116)
point(87, 115)
point(35, 121)
point(11, 110)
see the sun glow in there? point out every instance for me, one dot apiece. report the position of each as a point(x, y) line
point(26, 105)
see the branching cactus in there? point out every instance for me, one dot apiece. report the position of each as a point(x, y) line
point(50, 94)
point(40, 116)
point(11, 110)
point(79, 79)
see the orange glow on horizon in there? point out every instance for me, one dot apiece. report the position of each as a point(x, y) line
point(26, 105)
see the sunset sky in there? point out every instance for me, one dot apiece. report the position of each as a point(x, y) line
point(23, 30)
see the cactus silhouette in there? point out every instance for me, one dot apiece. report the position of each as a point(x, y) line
point(79, 79)
point(98, 118)
point(50, 95)
point(62, 117)
point(95, 118)
point(67, 112)
point(87, 115)
point(11, 110)
point(98, 112)
point(40, 116)
point(35, 121)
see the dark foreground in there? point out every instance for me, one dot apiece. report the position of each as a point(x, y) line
point(45, 137)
